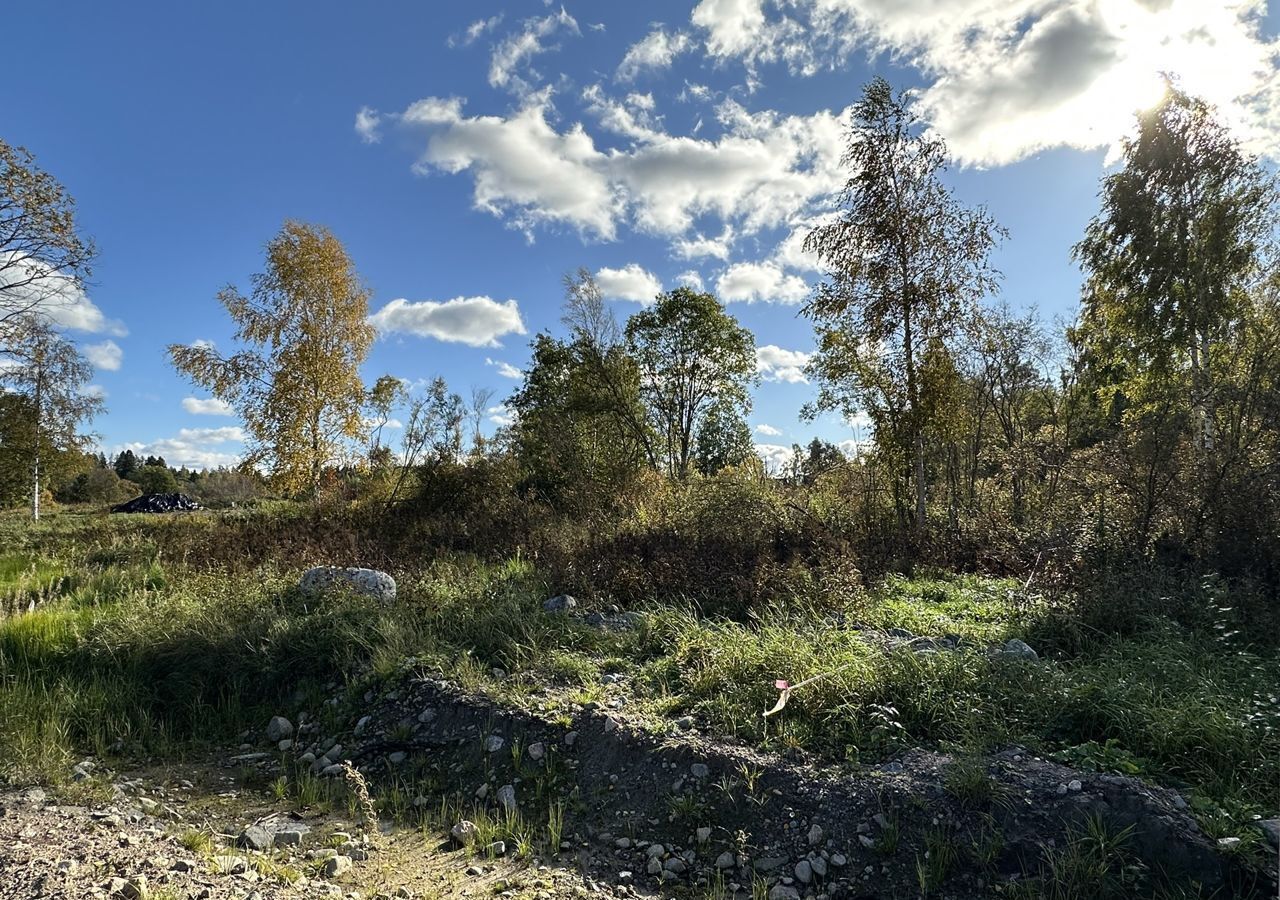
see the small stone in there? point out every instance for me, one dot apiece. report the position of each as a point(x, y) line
point(1271, 830)
point(571, 738)
point(507, 797)
point(654, 867)
point(726, 860)
point(559, 604)
point(482, 791)
point(278, 729)
point(622, 843)
point(699, 770)
point(815, 835)
point(285, 745)
point(610, 724)
point(1074, 785)
point(537, 750)
point(397, 757)
point(183, 865)
point(148, 806)
point(289, 838)
point(655, 851)
point(493, 743)
point(704, 835)
point(866, 841)
point(337, 866)
point(839, 860)
point(804, 872)
point(135, 888)
point(892, 768)
point(819, 866)
point(1018, 649)
point(361, 725)
point(675, 865)
point(684, 723)
point(332, 770)
point(1229, 843)
point(783, 892)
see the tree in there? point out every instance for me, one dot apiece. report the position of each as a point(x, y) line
point(906, 264)
point(692, 357)
point(1170, 258)
point(723, 440)
point(44, 261)
point(386, 392)
point(49, 377)
point(297, 384)
point(126, 463)
point(154, 479)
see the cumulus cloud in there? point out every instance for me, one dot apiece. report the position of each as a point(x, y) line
point(28, 283)
point(768, 430)
point(631, 282)
point(700, 247)
point(106, 355)
point(211, 406)
point(508, 67)
point(690, 279)
point(367, 122)
point(195, 448)
point(776, 364)
point(765, 282)
point(505, 369)
point(1007, 78)
point(476, 321)
point(763, 170)
point(657, 50)
point(776, 457)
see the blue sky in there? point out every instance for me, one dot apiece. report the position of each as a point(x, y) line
point(478, 152)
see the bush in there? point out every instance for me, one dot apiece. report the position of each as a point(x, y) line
point(99, 487)
point(155, 480)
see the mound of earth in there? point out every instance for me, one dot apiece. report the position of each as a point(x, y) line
point(158, 503)
point(677, 812)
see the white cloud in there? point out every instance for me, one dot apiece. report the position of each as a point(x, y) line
point(474, 31)
point(1007, 78)
point(776, 457)
point(195, 448)
point(764, 170)
point(476, 321)
point(512, 54)
point(690, 279)
point(764, 282)
point(501, 416)
point(768, 430)
point(106, 355)
point(367, 122)
point(657, 50)
point(96, 391)
point(505, 369)
point(207, 407)
point(775, 364)
point(699, 247)
point(631, 282)
point(28, 283)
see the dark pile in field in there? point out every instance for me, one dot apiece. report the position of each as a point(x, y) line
point(158, 503)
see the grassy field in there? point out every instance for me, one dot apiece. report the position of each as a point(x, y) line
point(136, 651)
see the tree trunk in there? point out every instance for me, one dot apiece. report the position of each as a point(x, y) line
point(35, 491)
point(913, 402)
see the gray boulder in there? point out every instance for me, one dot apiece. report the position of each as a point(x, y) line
point(278, 729)
point(1018, 649)
point(366, 582)
point(559, 604)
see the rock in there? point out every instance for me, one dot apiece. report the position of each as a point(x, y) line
point(1271, 830)
point(158, 503)
point(1229, 843)
point(675, 865)
point(354, 850)
point(498, 848)
point(699, 770)
point(333, 770)
point(783, 892)
point(537, 750)
point(610, 724)
point(337, 866)
point(493, 743)
point(703, 834)
point(655, 851)
point(361, 725)
point(285, 745)
point(819, 866)
point(507, 797)
point(465, 833)
point(1015, 648)
point(183, 865)
point(364, 582)
point(290, 838)
point(135, 888)
point(654, 866)
point(148, 806)
point(559, 604)
point(1074, 785)
point(571, 738)
point(255, 837)
point(839, 860)
point(866, 841)
point(815, 834)
point(804, 872)
point(769, 863)
point(726, 860)
point(278, 729)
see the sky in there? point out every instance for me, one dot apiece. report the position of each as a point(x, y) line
point(469, 155)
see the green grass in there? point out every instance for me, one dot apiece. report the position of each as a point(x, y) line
point(160, 656)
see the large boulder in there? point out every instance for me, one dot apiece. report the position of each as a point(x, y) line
point(365, 582)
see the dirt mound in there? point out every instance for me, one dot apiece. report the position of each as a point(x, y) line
point(158, 503)
point(664, 811)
